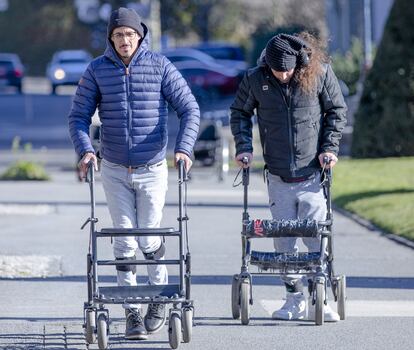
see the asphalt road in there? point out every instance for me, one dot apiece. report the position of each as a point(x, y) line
point(39, 119)
point(41, 222)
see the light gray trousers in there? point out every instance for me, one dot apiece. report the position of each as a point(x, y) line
point(296, 201)
point(136, 200)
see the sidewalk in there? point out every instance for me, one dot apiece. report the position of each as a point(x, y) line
point(46, 312)
point(43, 251)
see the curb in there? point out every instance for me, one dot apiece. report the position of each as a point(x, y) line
point(369, 225)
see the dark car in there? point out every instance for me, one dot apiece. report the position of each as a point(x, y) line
point(209, 83)
point(183, 54)
point(11, 71)
point(224, 53)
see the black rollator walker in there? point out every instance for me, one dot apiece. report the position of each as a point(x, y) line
point(310, 264)
point(96, 316)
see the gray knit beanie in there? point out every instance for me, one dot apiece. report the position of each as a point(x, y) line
point(284, 52)
point(125, 17)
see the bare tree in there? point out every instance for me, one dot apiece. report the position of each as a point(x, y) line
point(239, 20)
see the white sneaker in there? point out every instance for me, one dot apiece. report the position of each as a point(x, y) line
point(293, 309)
point(329, 315)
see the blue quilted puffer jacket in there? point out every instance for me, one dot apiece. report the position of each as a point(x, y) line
point(132, 103)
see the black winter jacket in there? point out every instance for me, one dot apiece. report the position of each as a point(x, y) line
point(293, 131)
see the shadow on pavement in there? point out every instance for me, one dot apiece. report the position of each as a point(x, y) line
point(271, 280)
point(254, 321)
point(342, 200)
point(167, 204)
point(67, 340)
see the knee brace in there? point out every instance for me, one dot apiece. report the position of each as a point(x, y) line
point(294, 286)
point(126, 268)
point(157, 254)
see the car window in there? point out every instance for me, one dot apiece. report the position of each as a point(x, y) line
point(194, 71)
point(179, 58)
point(6, 64)
point(223, 53)
point(72, 60)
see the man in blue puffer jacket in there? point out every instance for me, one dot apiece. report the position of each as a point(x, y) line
point(132, 87)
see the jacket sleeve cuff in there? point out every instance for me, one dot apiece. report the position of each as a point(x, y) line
point(244, 150)
point(177, 150)
point(88, 151)
point(334, 151)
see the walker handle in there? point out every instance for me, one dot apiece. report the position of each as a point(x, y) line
point(90, 173)
point(182, 172)
point(326, 160)
point(90, 178)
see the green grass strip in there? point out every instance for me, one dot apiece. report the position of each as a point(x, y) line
point(379, 190)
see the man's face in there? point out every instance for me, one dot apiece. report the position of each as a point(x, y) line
point(125, 41)
point(283, 77)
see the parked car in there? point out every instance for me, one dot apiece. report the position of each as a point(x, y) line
point(209, 83)
point(185, 54)
point(67, 67)
point(11, 71)
point(224, 53)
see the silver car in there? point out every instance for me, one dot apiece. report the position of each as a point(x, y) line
point(67, 67)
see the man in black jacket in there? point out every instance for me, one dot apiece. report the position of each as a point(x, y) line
point(301, 114)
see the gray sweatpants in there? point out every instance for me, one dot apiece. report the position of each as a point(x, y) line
point(296, 201)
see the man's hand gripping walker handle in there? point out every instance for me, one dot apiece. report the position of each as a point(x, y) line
point(90, 172)
point(182, 172)
point(90, 178)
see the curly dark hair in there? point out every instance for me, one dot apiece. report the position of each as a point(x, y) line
point(307, 76)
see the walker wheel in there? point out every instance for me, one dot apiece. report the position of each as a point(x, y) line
point(174, 330)
point(102, 332)
point(320, 303)
point(341, 294)
point(245, 301)
point(235, 297)
point(187, 324)
point(90, 325)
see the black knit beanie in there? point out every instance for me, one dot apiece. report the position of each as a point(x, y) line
point(125, 17)
point(284, 52)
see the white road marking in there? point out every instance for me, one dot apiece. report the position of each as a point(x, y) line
point(26, 209)
point(29, 266)
point(360, 308)
point(224, 193)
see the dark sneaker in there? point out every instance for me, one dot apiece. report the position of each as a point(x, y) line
point(155, 317)
point(135, 329)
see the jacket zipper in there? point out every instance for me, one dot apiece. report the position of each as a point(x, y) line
point(292, 163)
point(129, 110)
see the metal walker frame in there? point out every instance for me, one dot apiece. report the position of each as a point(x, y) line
point(303, 263)
point(96, 316)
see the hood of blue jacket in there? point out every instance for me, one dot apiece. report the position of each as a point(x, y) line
point(111, 53)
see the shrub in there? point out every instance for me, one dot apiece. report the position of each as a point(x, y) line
point(347, 67)
point(24, 170)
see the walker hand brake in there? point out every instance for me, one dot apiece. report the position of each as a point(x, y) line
point(88, 220)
